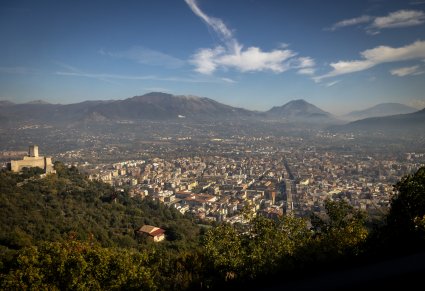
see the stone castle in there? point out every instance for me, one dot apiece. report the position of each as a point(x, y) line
point(31, 161)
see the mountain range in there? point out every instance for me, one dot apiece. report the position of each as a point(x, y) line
point(156, 106)
point(380, 110)
point(159, 106)
point(411, 122)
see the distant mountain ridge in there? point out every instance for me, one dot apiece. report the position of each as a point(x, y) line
point(6, 103)
point(400, 123)
point(151, 106)
point(159, 106)
point(37, 102)
point(380, 110)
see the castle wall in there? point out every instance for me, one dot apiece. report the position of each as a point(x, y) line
point(44, 163)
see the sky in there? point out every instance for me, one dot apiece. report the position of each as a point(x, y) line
point(255, 54)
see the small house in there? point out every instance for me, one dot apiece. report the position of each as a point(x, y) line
point(154, 233)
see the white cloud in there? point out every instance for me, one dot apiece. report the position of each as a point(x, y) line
point(383, 54)
point(204, 59)
point(376, 56)
point(254, 59)
point(232, 55)
point(305, 62)
point(249, 60)
point(306, 71)
point(406, 71)
point(400, 18)
point(146, 56)
point(351, 22)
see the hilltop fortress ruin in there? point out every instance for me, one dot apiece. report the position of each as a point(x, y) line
point(31, 161)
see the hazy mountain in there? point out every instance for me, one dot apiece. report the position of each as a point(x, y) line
point(6, 103)
point(28, 112)
point(384, 109)
point(37, 102)
point(160, 106)
point(405, 123)
point(301, 111)
point(151, 106)
point(46, 112)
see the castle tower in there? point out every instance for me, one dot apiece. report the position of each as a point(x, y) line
point(33, 151)
point(31, 161)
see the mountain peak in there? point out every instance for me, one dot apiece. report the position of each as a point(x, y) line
point(380, 110)
point(298, 101)
point(158, 97)
point(409, 123)
point(300, 110)
point(151, 96)
point(37, 102)
point(298, 106)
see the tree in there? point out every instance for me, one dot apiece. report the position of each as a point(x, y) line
point(223, 247)
point(78, 265)
point(272, 243)
point(405, 221)
point(342, 231)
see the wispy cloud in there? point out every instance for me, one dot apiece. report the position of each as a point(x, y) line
point(73, 71)
point(104, 76)
point(146, 56)
point(110, 77)
point(305, 65)
point(216, 24)
point(396, 19)
point(376, 56)
point(232, 55)
point(407, 71)
point(350, 22)
point(333, 83)
point(304, 62)
point(228, 80)
point(401, 18)
point(306, 71)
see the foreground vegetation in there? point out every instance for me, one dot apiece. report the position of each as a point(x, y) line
point(65, 232)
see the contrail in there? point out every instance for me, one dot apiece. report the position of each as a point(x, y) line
point(218, 26)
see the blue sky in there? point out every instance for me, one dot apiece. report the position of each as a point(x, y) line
point(339, 55)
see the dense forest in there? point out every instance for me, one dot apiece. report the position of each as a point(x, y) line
point(65, 232)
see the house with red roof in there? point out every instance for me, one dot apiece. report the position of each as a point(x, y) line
point(154, 233)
